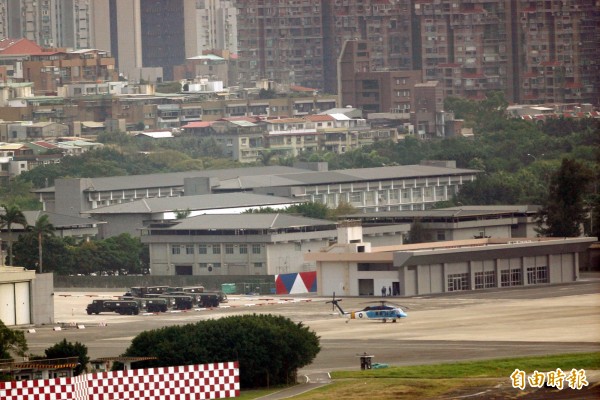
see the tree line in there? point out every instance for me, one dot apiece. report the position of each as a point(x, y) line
point(38, 248)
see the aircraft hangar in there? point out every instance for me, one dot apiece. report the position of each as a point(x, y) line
point(354, 268)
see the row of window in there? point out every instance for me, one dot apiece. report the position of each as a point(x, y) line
point(230, 248)
point(508, 277)
point(218, 265)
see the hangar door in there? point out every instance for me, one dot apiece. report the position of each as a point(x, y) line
point(15, 305)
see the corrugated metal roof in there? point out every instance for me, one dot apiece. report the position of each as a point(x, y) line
point(342, 176)
point(247, 221)
point(193, 203)
point(172, 179)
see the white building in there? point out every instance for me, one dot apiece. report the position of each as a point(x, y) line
point(355, 268)
point(246, 244)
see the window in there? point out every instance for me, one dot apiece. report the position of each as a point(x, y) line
point(258, 265)
point(298, 246)
point(458, 282)
point(243, 249)
point(216, 249)
point(203, 265)
point(441, 236)
point(202, 249)
point(256, 249)
point(189, 249)
point(175, 249)
point(484, 280)
point(537, 275)
point(229, 248)
point(510, 277)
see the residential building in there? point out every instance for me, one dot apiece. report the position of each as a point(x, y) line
point(147, 37)
point(352, 267)
point(280, 41)
point(555, 57)
point(386, 25)
point(49, 23)
point(241, 138)
point(205, 66)
point(365, 87)
point(51, 69)
point(216, 26)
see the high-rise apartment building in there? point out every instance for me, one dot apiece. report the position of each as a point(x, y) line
point(147, 37)
point(386, 25)
point(50, 23)
point(556, 55)
point(463, 45)
point(216, 26)
point(280, 40)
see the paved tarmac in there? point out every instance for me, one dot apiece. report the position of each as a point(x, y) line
point(442, 328)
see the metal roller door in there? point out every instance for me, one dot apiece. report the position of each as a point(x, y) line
point(22, 303)
point(7, 304)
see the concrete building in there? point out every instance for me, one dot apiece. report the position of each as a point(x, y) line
point(216, 27)
point(280, 41)
point(131, 217)
point(64, 226)
point(555, 58)
point(408, 187)
point(245, 244)
point(26, 297)
point(460, 223)
point(74, 196)
point(50, 69)
point(50, 23)
point(411, 187)
point(355, 268)
point(370, 89)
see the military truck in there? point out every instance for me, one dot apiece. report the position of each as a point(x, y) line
point(123, 307)
point(156, 305)
point(178, 301)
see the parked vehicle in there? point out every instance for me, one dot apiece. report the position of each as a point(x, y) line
point(156, 305)
point(178, 301)
point(123, 307)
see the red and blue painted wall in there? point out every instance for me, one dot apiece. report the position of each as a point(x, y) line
point(300, 282)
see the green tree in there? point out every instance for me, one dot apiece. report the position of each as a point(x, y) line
point(563, 212)
point(182, 214)
point(57, 254)
point(66, 349)
point(249, 339)
point(11, 341)
point(416, 234)
point(42, 229)
point(343, 208)
point(309, 210)
point(12, 215)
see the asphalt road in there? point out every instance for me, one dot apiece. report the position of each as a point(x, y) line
point(442, 328)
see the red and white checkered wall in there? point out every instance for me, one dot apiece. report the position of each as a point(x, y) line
point(188, 382)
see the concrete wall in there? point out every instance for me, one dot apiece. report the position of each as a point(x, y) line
point(42, 299)
point(214, 282)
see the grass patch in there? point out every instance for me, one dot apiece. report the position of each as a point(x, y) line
point(481, 369)
point(438, 380)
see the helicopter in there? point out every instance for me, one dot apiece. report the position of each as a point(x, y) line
point(383, 311)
